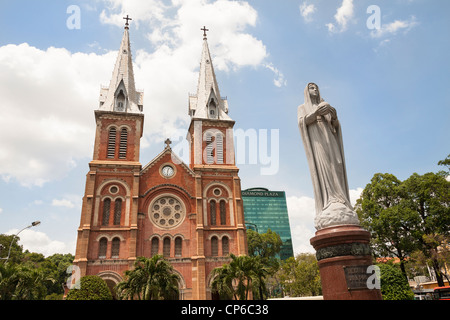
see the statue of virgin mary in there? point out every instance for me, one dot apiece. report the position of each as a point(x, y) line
point(322, 139)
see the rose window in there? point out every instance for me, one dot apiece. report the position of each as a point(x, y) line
point(167, 212)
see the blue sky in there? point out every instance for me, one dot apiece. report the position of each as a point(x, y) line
point(389, 85)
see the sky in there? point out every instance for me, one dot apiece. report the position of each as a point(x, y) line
point(382, 64)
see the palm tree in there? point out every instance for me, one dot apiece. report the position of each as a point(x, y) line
point(22, 283)
point(235, 279)
point(151, 278)
point(223, 282)
point(260, 271)
point(31, 284)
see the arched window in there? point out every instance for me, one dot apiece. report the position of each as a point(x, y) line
point(112, 143)
point(117, 211)
point(212, 109)
point(178, 246)
point(214, 246)
point(103, 243)
point(223, 212)
point(225, 246)
point(106, 209)
point(155, 246)
point(120, 101)
point(115, 248)
point(212, 212)
point(123, 143)
point(166, 247)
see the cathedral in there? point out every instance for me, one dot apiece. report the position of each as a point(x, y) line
point(192, 214)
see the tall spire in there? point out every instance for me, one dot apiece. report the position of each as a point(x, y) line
point(207, 103)
point(121, 95)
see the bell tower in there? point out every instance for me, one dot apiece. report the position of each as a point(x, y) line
point(108, 226)
point(220, 213)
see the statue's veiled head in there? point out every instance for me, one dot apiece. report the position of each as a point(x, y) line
point(312, 93)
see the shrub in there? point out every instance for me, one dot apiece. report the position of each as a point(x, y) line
point(92, 288)
point(394, 285)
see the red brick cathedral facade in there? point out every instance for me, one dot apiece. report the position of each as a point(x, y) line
point(192, 214)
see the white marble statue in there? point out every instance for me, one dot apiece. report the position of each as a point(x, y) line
point(322, 139)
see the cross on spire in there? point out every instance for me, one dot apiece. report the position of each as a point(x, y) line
point(127, 24)
point(204, 32)
point(168, 143)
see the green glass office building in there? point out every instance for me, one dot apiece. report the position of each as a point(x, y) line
point(263, 210)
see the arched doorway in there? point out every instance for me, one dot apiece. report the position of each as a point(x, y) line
point(112, 279)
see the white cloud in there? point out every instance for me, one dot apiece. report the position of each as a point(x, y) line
point(394, 27)
point(306, 10)
point(48, 96)
point(170, 72)
point(342, 17)
point(62, 203)
point(1, 210)
point(355, 194)
point(279, 81)
point(39, 242)
point(47, 110)
point(301, 218)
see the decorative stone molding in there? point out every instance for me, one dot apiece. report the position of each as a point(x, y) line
point(346, 249)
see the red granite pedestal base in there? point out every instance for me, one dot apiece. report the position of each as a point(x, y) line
point(344, 259)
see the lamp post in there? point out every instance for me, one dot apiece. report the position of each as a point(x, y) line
point(33, 224)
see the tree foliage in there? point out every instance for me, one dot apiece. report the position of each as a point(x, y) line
point(235, 279)
point(394, 286)
point(151, 279)
point(29, 275)
point(300, 276)
point(92, 288)
point(266, 245)
point(403, 216)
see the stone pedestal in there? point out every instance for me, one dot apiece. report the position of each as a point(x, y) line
point(344, 257)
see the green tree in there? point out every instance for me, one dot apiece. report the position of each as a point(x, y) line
point(446, 163)
point(235, 279)
point(266, 245)
point(9, 278)
point(55, 267)
point(91, 288)
point(407, 216)
point(151, 279)
point(20, 282)
point(428, 197)
point(383, 212)
point(394, 286)
point(9, 244)
point(300, 276)
point(31, 284)
point(261, 270)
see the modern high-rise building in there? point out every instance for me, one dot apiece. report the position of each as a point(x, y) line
point(263, 210)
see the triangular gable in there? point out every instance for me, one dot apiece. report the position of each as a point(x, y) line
point(173, 156)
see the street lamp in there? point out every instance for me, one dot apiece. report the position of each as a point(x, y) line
point(33, 224)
